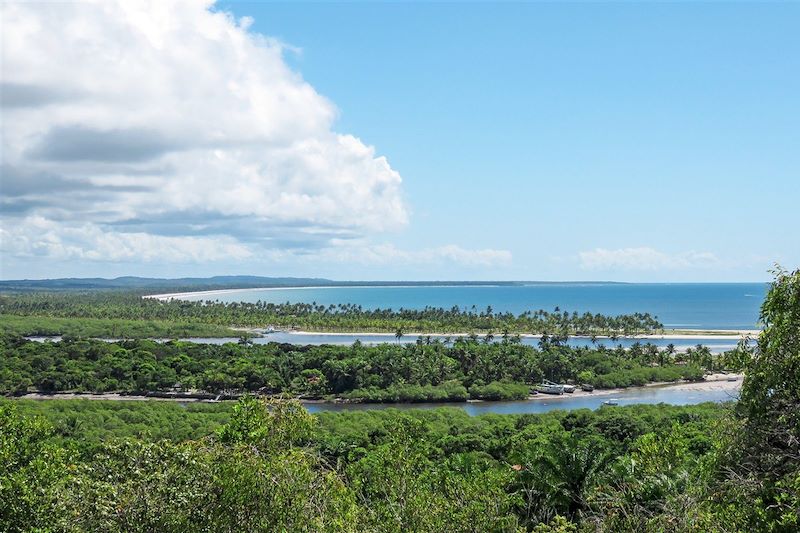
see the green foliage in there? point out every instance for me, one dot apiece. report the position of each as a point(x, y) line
point(559, 524)
point(268, 425)
point(758, 468)
point(273, 467)
point(451, 391)
point(425, 372)
point(108, 328)
point(641, 485)
point(556, 477)
point(95, 421)
point(133, 485)
point(405, 490)
point(497, 390)
point(32, 470)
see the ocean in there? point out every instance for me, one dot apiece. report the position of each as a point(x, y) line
point(676, 305)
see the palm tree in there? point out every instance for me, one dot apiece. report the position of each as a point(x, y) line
point(670, 352)
point(558, 477)
point(399, 334)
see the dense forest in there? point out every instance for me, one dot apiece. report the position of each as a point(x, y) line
point(120, 307)
point(111, 328)
point(267, 466)
point(127, 466)
point(430, 370)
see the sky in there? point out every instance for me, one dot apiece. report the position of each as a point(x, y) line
point(655, 142)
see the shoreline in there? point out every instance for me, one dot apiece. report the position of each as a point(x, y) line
point(178, 295)
point(712, 382)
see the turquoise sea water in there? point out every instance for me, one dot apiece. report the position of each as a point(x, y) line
point(677, 305)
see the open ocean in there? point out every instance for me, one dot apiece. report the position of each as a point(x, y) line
point(677, 305)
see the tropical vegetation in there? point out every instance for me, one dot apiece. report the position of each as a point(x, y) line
point(177, 314)
point(430, 370)
point(269, 465)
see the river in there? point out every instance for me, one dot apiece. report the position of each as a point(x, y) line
point(684, 394)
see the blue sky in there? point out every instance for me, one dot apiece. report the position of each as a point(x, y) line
point(631, 142)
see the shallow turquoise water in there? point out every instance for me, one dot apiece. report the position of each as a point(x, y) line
point(677, 305)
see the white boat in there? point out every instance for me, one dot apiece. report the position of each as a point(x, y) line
point(569, 389)
point(733, 378)
point(548, 387)
point(612, 401)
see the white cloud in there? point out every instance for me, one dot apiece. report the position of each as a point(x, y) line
point(644, 259)
point(165, 130)
point(40, 237)
point(44, 238)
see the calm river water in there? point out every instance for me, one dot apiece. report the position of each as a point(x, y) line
point(648, 395)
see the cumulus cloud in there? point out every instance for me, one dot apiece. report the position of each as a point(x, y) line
point(644, 259)
point(169, 131)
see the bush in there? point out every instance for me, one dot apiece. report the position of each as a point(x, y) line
point(446, 392)
point(497, 390)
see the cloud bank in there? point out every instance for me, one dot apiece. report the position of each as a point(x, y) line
point(167, 131)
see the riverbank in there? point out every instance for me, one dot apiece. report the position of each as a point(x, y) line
point(712, 383)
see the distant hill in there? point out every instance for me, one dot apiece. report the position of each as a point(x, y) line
point(137, 283)
point(212, 283)
point(134, 283)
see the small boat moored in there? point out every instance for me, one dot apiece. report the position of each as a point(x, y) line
point(587, 387)
point(612, 401)
point(548, 387)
